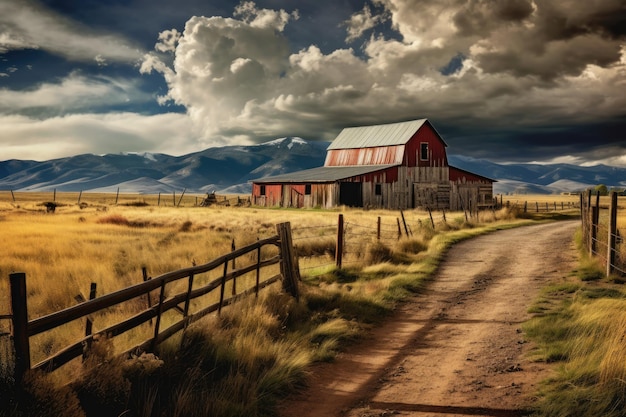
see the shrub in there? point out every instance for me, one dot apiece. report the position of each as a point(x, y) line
point(378, 253)
point(412, 246)
point(116, 219)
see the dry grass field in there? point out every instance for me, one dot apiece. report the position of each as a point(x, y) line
point(109, 244)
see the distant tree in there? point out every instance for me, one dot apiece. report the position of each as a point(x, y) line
point(602, 189)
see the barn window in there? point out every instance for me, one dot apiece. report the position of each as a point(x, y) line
point(307, 189)
point(378, 190)
point(424, 151)
point(262, 190)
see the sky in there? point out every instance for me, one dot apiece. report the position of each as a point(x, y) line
point(508, 81)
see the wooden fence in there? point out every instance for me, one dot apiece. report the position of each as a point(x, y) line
point(23, 328)
point(601, 236)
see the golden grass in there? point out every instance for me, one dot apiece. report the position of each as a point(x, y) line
point(62, 253)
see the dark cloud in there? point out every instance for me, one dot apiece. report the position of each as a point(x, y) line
point(587, 142)
point(554, 39)
point(482, 16)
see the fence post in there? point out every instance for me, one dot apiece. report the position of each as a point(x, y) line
point(234, 288)
point(117, 195)
point(19, 313)
point(378, 229)
point(432, 222)
point(258, 270)
point(406, 229)
point(339, 246)
point(187, 299)
point(181, 198)
point(287, 264)
point(157, 325)
point(595, 221)
point(144, 272)
point(89, 321)
point(610, 258)
point(595, 215)
point(222, 287)
point(399, 228)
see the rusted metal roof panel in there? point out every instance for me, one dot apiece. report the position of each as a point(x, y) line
point(377, 135)
point(365, 156)
point(323, 174)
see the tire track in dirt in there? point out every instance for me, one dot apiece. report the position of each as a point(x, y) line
point(456, 350)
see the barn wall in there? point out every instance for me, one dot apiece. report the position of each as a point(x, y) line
point(293, 195)
point(471, 195)
point(272, 197)
point(436, 149)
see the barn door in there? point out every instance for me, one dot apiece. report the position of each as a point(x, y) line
point(351, 194)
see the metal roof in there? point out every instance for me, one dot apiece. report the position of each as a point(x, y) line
point(324, 174)
point(377, 135)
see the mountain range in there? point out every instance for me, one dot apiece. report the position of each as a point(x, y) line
point(229, 169)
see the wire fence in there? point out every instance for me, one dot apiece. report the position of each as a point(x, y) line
point(602, 237)
point(317, 246)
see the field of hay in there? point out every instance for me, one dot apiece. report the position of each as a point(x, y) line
point(109, 244)
point(100, 242)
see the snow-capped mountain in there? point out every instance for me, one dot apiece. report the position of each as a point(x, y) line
point(229, 169)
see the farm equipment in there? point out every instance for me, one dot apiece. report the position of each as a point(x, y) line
point(212, 199)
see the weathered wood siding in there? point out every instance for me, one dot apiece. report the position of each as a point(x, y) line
point(271, 197)
point(470, 195)
point(323, 195)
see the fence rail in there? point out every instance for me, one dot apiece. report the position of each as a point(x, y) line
point(23, 329)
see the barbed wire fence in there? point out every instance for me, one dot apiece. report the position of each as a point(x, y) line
point(601, 236)
point(321, 248)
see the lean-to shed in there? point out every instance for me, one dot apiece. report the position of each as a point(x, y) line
point(396, 166)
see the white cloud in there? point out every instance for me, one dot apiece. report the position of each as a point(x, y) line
point(264, 18)
point(28, 138)
point(27, 24)
point(72, 94)
point(238, 79)
point(167, 41)
point(361, 22)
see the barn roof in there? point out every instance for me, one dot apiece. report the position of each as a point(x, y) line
point(377, 135)
point(324, 174)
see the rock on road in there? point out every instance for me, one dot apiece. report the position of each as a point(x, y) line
point(456, 350)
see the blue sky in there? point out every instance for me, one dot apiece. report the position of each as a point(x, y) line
point(514, 81)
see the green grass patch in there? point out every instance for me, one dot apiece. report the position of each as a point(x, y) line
point(581, 325)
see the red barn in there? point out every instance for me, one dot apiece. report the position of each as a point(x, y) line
point(397, 166)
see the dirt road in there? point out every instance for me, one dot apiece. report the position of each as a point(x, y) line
point(456, 350)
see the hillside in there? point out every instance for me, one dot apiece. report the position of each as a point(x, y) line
point(229, 169)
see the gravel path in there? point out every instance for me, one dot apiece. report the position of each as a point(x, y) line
point(456, 350)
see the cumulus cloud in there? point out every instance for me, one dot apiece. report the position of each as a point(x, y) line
point(522, 65)
point(27, 24)
point(264, 18)
point(361, 22)
point(28, 138)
